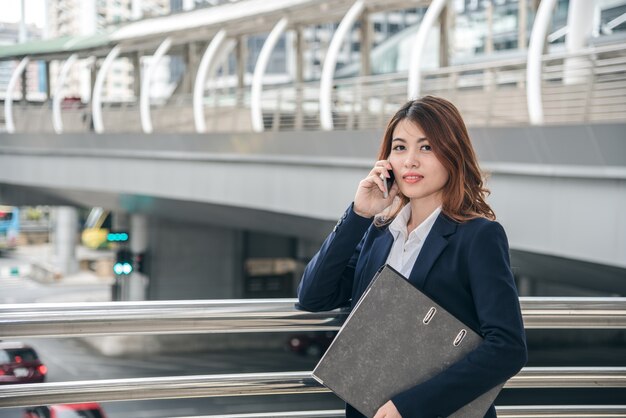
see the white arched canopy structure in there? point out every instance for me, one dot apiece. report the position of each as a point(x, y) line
point(8, 98)
point(579, 30)
point(259, 72)
point(206, 63)
point(533, 64)
point(415, 72)
point(144, 96)
point(96, 101)
point(330, 63)
point(57, 98)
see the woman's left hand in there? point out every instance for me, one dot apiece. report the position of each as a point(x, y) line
point(388, 410)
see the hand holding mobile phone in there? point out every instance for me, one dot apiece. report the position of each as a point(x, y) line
point(367, 201)
point(388, 182)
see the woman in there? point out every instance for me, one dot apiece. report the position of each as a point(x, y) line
point(435, 228)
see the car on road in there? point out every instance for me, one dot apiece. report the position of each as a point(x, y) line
point(78, 410)
point(19, 363)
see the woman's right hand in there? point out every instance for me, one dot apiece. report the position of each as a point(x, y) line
point(369, 199)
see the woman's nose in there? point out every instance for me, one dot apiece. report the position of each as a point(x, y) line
point(411, 160)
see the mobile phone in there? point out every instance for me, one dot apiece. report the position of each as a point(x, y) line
point(388, 183)
point(390, 180)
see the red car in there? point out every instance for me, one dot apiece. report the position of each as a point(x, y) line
point(19, 363)
point(78, 410)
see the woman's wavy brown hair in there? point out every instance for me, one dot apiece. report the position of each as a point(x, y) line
point(464, 194)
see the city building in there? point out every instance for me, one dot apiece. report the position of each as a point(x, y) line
point(84, 18)
point(35, 71)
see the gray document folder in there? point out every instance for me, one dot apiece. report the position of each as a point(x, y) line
point(395, 338)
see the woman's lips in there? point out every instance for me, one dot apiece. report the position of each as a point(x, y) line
point(412, 178)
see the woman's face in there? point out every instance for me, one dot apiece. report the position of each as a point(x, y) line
point(418, 172)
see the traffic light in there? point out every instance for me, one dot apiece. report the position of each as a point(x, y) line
point(117, 236)
point(139, 262)
point(123, 262)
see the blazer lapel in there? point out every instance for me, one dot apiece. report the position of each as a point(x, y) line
point(435, 243)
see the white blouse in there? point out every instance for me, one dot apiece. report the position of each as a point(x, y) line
point(405, 250)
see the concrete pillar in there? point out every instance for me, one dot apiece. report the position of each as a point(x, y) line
point(522, 22)
point(579, 29)
point(241, 51)
point(365, 37)
point(194, 261)
point(66, 231)
point(445, 20)
point(136, 57)
point(299, 55)
point(226, 69)
point(366, 43)
point(47, 76)
point(489, 74)
point(298, 48)
point(489, 37)
point(136, 286)
point(191, 67)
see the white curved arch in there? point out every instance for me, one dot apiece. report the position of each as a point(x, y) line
point(206, 63)
point(96, 97)
point(144, 95)
point(328, 70)
point(533, 63)
point(415, 72)
point(8, 97)
point(259, 72)
point(57, 122)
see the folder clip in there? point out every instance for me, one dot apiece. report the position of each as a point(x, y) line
point(431, 312)
point(459, 337)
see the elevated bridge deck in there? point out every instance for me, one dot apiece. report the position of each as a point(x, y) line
point(549, 184)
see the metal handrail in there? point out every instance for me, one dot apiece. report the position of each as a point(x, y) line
point(562, 411)
point(258, 315)
point(487, 93)
point(260, 384)
point(541, 411)
point(576, 312)
point(330, 413)
point(263, 315)
point(170, 317)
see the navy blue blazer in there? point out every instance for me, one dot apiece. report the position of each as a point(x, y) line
point(465, 268)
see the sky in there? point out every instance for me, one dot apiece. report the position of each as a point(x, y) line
point(10, 11)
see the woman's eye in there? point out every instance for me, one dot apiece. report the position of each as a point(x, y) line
point(425, 148)
point(398, 148)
